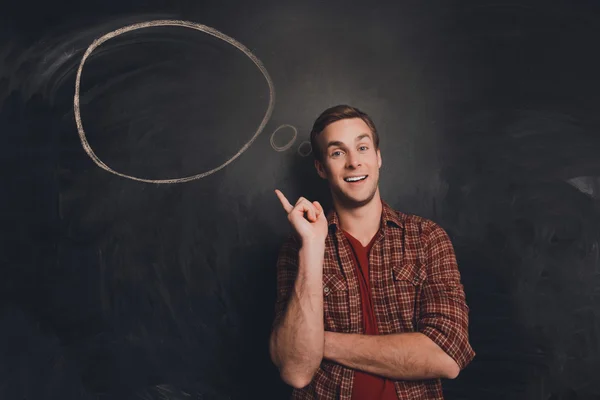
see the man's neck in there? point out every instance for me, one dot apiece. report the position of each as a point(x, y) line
point(363, 222)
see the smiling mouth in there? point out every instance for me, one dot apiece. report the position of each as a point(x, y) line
point(356, 179)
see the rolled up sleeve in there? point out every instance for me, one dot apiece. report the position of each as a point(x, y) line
point(443, 311)
point(287, 270)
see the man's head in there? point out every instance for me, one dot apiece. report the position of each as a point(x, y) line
point(346, 145)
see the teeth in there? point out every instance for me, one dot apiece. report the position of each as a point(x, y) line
point(355, 179)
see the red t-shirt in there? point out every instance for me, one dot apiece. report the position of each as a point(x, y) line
point(367, 386)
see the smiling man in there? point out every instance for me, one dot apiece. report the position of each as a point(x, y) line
point(369, 299)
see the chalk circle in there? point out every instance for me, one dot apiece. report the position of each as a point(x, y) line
point(185, 24)
point(291, 142)
point(305, 153)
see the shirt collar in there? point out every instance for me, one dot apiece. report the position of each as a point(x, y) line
point(388, 215)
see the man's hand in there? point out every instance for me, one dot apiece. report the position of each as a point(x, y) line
point(307, 219)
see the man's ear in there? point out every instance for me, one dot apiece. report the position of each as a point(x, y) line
point(379, 161)
point(320, 169)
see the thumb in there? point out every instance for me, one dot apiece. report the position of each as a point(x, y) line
point(318, 207)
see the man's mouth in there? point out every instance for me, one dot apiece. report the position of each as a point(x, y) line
point(352, 179)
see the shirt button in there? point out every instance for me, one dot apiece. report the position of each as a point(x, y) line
point(326, 289)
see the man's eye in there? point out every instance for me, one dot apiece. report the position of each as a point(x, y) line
point(364, 147)
point(335, 152)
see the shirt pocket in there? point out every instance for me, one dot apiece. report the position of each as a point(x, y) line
point(336, 306)
point(408, 282)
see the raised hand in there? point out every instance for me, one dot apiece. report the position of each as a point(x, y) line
point(307, 218)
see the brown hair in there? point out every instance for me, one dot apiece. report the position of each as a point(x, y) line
point(332, 115)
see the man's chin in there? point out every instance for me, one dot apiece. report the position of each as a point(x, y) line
point(350, 202)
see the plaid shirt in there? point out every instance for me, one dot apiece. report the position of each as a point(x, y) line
point(415, 286)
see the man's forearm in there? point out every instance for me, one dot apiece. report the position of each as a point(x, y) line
point(406, 356)
point(297, 343)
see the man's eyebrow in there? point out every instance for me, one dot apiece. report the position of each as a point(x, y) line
point(361, 137)
point(334, 143)
point(341, 144)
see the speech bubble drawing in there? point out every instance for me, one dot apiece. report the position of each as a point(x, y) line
point(186, 24)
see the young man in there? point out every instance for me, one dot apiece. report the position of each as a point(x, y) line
point(369, 300)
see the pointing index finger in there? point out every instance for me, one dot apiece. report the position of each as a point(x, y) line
point(287, 206)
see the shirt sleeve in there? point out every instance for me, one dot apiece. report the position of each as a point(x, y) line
point(287, 270)
point(443, 311)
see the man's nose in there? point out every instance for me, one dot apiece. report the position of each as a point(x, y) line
point(352, 160)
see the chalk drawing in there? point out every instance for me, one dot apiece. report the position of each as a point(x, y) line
point(287, 146)
point(186, 24)
point(307, 148)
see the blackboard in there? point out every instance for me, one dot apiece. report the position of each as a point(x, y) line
point(140, 228)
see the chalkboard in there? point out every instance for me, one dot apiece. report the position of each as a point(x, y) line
point(141, 144)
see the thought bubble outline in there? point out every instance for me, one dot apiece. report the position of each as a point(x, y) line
point(169, 22)
point(309, 148)
point(291, 142)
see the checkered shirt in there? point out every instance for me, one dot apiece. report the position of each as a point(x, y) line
point(415, 286)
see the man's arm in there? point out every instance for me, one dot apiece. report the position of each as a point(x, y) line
point(296, 344)
point(440, 347)
point(297, 340)
point(405, 356)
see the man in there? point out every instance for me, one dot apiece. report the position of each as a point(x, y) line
point(369, 300)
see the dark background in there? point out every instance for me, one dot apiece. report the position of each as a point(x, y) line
point(117, 289)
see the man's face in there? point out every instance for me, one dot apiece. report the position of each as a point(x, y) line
point(349, 152)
